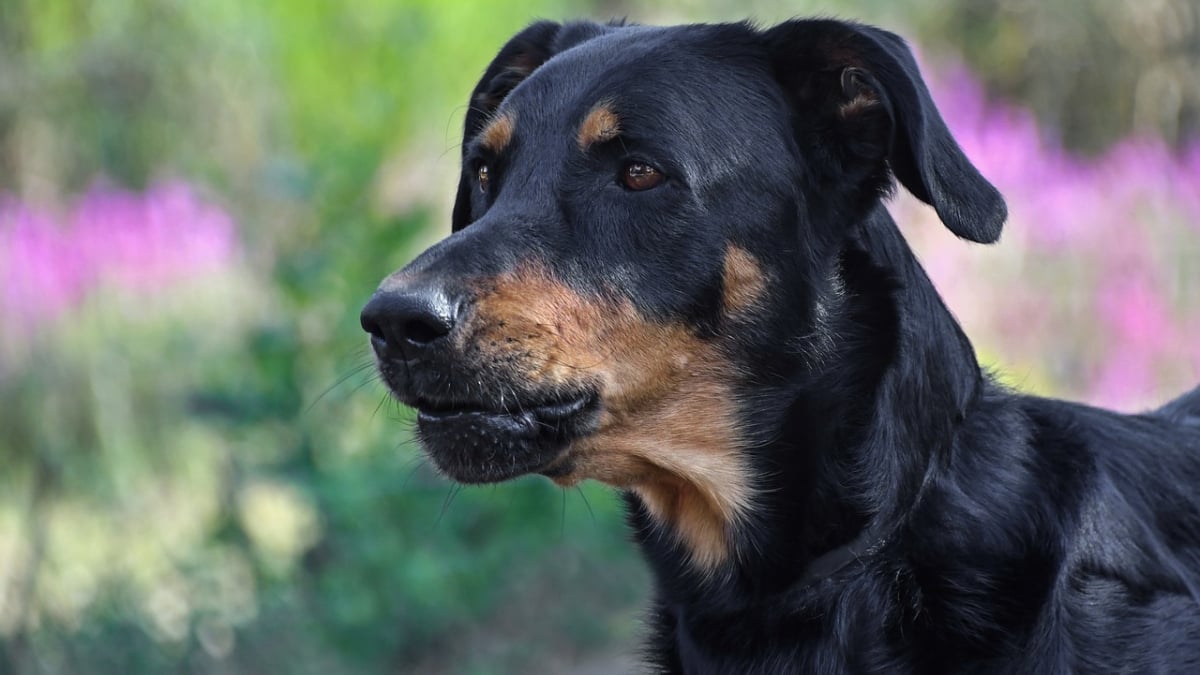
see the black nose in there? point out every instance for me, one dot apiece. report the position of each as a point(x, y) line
point(406, 322)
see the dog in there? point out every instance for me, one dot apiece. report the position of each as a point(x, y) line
point(671, 270)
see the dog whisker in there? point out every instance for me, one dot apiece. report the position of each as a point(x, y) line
point(341, 380)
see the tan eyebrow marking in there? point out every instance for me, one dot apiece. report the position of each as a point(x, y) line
point(601, 124)
point(498, 133)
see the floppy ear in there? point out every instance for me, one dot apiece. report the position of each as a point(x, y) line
point(859, 88)
point(518, 58)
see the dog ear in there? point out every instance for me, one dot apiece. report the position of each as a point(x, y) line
point(524, 53)
point(866, 93)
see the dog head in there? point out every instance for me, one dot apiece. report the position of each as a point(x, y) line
point(647, 221)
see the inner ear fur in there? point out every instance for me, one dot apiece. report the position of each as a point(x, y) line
point(863, 109)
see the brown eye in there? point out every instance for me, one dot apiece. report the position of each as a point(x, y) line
point(484, 176)
point(640, 176)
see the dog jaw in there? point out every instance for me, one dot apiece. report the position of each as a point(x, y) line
point(667, 428)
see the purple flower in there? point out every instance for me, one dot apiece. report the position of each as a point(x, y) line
point(110, 238)
point(41, 271)
point(1091, 287)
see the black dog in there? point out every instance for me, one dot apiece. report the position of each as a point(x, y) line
point(671, 271)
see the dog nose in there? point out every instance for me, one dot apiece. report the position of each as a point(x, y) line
point(408, 321)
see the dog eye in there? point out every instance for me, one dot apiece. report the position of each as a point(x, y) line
point(484, 176)
point(640, 176)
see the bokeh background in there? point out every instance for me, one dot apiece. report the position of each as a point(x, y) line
point(198, 471)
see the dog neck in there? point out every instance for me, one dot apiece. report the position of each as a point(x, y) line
point(843, 447)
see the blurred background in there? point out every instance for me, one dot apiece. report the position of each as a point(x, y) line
point(198, 470)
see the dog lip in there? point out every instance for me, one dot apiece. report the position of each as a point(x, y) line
point(440, 410)
point(557, 410)
point(473, 443)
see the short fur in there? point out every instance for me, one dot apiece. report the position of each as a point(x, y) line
point(817, 471)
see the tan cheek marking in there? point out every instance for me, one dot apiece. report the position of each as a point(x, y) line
point(498, 132)
point(743, 282)
point(668, 429)
point(680, 452)
point(601, 124)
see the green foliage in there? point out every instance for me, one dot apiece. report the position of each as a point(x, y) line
point(207, 478)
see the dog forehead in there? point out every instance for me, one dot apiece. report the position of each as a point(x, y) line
point(705, 90)
point(645, 71)
point(576, 78)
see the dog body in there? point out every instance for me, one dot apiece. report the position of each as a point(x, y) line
point(671, 271)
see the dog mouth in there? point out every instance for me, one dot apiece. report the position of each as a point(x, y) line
point(554, 411)
point(481, 441)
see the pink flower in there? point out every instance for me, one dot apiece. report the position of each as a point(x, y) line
point(1136, 316)
point(1093, 284)
point(1123, 382)
point(133, 242)
point(41, 271)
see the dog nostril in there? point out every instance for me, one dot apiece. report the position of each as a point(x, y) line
point(423, 330)
point(371, 319)
point(415, 318)
point(371, 326)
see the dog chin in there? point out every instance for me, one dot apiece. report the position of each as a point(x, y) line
point(475, 445)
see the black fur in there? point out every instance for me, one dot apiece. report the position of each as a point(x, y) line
point(991, 531)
